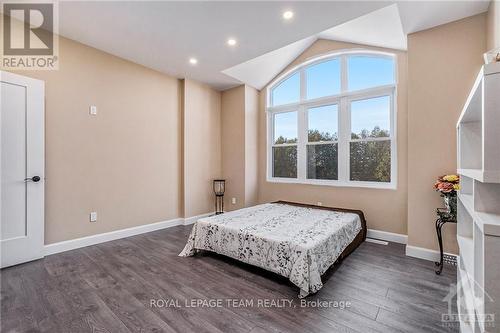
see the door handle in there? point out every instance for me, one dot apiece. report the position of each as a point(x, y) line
point(34, 179)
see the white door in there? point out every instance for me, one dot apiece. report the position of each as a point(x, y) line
point(21, 169)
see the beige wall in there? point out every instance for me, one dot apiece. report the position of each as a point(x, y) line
point(442, 65)
point(123, 163)
point(384, 209)
point(149, 155)
point(202, 146)
point(493, 26)
point(251, 145)
point(233, 146)
point(240, 114)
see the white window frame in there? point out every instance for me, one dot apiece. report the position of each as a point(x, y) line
point(274, 145)
point(343, 100)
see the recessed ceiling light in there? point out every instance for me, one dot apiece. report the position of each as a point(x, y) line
point(288, 15)
point(231, 42)
point(193, 61)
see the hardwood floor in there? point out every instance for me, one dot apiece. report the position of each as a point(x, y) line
point(109, 288)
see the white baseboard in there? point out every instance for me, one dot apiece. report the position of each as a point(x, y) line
point(72, 244)
point(411, 251)
point(193, 219)
point(387, 236)
point(77, 243)
point(423, 253)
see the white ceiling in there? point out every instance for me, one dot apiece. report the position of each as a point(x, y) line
point(388, 33)
point(257, 72)
point(164, 35)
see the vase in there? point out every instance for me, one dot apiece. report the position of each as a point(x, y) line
point(450, 203)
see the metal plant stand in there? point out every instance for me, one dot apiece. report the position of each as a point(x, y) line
point(443, 217)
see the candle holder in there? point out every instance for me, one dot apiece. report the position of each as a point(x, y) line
point(219, 189)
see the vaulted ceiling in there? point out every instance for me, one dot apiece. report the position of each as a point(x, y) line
point(164, 35)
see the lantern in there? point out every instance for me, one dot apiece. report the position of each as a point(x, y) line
point(219, 188)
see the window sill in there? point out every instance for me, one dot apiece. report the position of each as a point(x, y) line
point(334, 183)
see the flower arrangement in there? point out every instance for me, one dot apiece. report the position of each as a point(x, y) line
point(448, 185)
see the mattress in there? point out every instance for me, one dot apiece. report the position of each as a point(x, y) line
point(299, 243)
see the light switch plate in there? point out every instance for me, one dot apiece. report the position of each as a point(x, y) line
point(93, 216)
point(93, 110)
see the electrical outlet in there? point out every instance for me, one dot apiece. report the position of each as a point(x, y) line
point(319, 203)
point(93, 110)
point(233, 201)
point(93, 216)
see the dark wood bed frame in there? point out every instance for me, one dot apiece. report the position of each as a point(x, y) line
point(360, 237)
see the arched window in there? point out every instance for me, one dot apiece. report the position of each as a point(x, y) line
point(331, 121)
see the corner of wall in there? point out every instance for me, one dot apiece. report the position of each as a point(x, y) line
point(251, 145)
point(240, 145)
point(202, 160)
point(493, 26)
point(181, 85)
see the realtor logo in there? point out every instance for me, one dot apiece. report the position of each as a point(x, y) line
point(469, 316)
point(30, 31)
point(29, 36)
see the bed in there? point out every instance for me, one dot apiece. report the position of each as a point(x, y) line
point(297, 241)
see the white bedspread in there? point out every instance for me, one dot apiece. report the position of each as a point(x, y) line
point(299, 243)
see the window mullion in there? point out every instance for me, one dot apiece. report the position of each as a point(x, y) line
point(343, 75)
point(302, 129)
point(344, 134)
point(303, 85)
point(302, 141)
point(270, 142)
point(344, 124)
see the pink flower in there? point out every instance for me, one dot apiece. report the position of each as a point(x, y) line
point(445, 187)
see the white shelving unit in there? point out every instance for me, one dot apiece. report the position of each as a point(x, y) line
point(478, 207)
